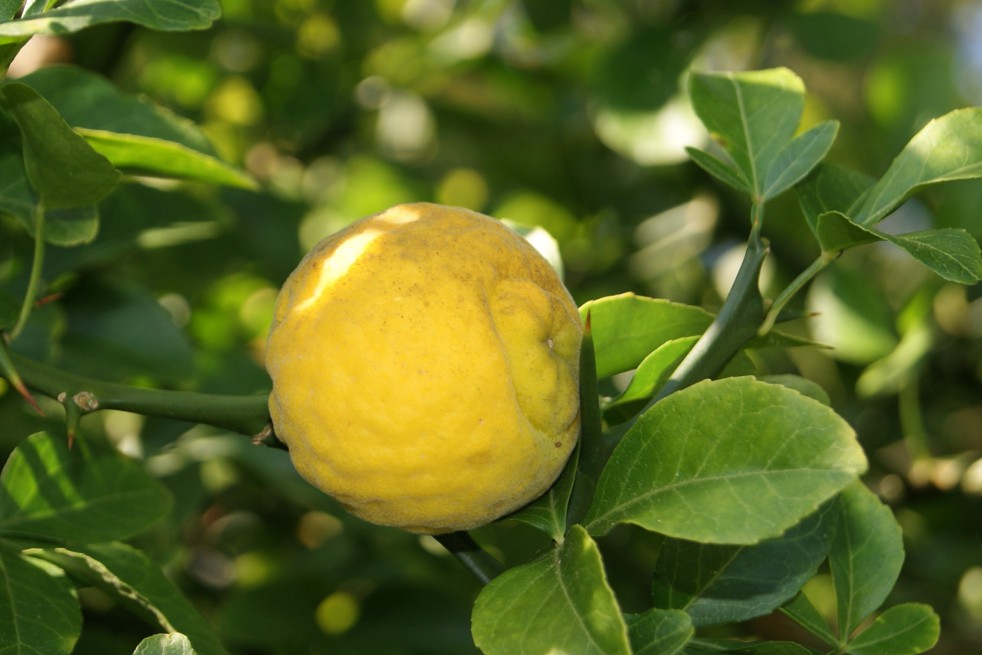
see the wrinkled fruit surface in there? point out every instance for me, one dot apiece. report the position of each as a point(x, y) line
point(425, 369)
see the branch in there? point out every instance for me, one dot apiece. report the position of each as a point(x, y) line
point(81, 395)
point(737, 323)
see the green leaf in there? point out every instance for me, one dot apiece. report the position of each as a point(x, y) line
point(49, 492)
point(64, 227)
point(732, 461)
point(728, 584)
point(836, 232)
point(719, 169)
point(560, 602)
point(708, 646)
point(655, 369)
point(799, 157)
point(131, 131)
point(134, 579)
point(62, 168)
point(548, 512)
point(801, 611)
point(38, 609)
point(35, 7)
point(906, 629)
point(946, 149)
point(76, 15)
point(659, 632)
point(830, 188)
point(952, 253)
point(9, 9)
point(169, 644)
point(866, 555)
point(116, 330)
point(151, 156)
point(804, 386)
point(754, 115)
point(626, 328)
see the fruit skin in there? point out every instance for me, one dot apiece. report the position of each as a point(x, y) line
point(425, 369)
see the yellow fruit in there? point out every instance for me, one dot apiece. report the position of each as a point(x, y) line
point(425, 369)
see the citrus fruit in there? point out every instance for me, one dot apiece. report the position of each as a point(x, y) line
point(425, 369)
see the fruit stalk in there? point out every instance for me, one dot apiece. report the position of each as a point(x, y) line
point(469, 553)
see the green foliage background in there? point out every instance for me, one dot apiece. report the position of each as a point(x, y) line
point(559, 113)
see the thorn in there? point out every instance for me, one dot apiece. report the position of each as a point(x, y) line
point(73, 415)
point(8, 371)
point(51, 297)
point(26, 395)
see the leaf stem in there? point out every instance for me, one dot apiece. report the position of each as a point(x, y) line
point(244, 414)
point(477, 560)
point(37, 265)
point(792, 289)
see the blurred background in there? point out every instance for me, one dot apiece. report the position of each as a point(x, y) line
point(564, 114)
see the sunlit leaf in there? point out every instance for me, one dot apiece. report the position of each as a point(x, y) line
point(727, 584)
point(946, 149)
point(732, 461)
point(80, 495)
point(76, 15)
point(906, 629)
point(165, 644)
point(151, 156)
point(39, 612)
point(557, 603)
point(866, 555)
point(626, 328)
point(754, 116)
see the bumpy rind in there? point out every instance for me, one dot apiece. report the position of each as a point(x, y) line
point(424, 364)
